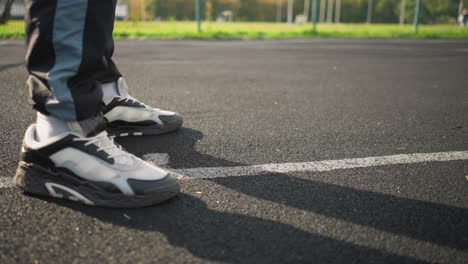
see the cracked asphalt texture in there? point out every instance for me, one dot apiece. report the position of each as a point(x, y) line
point(256, 102)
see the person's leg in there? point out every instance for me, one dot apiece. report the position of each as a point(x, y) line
point(67, 153)
point(107, 15)
point(65, 53)
point(123, 117)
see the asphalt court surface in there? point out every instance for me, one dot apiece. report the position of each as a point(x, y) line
point(269, 103)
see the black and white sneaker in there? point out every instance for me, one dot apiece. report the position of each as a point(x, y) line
point(126, 116)
point(92, 170)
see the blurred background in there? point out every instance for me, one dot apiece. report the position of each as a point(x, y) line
point(253, 19)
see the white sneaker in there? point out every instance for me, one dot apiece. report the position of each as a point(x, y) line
point(126, 116)
point(92, 170)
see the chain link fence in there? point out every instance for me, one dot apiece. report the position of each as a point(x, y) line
point(160, 16)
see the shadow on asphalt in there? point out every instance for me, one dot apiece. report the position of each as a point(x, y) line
point(235, 238)
point(4, 67)
point(220, 236)
point(436, 223)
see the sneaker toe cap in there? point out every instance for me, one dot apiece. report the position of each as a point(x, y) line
point(169, 183)
point(175, 118)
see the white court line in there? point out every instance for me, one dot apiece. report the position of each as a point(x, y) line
point(6, 182)
point(324, 165)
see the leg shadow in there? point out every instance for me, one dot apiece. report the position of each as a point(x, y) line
point(4, 67)
point(436, 223)
point(235, 238)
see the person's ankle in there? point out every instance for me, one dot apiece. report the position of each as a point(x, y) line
point(109, 92)
point(48, 126)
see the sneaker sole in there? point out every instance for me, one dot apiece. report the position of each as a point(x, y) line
point(126, 131)
point(37, 180)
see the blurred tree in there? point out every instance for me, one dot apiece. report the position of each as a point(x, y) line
point(386, 11)
point(338, 11)
point(402, 11)
point(140, 10)
point(330, 6)
point(434, 11)
point(353, 11)
point(208, 10)
point(323, 5)
point(441, 11)
point(6, 11)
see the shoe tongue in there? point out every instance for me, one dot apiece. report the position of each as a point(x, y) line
point(122, 87)
point(89, 127)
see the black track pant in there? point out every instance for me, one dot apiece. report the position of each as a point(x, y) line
point(69, 50)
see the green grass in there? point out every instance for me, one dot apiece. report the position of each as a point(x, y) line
point(260, 30)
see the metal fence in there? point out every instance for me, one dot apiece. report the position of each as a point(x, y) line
point(275, 11)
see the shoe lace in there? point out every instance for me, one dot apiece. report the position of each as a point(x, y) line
point(106, 143)
point(132, 99)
